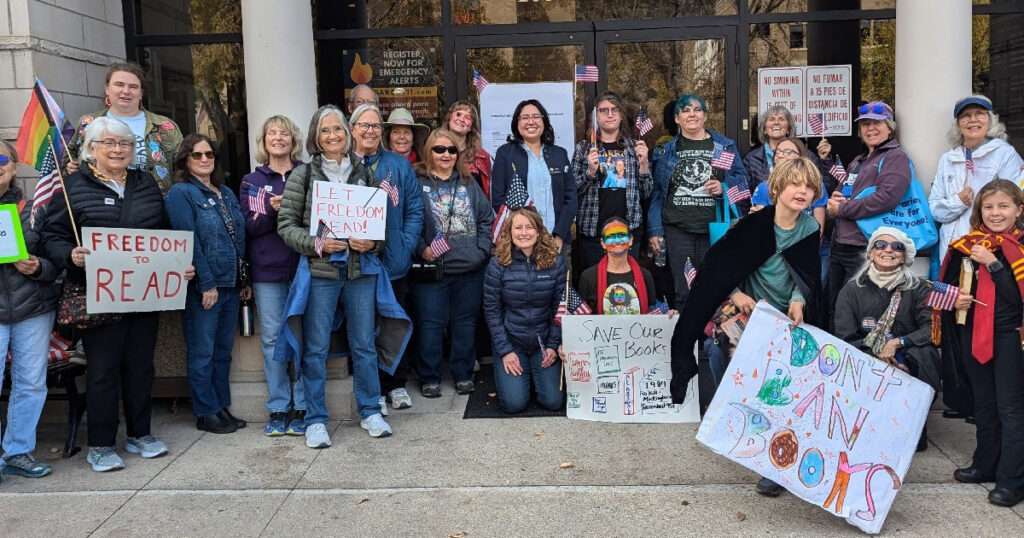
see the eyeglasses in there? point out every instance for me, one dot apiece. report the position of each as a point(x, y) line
point(111, 144)
point(689, 109)
point(363, 126)
point(453, 150)
point(609, 111)
point(324, 131)
point(875, 109)
point(4, 160)
point(896, 246)
point(198, 155)
point(528, 117)
point(787, 152)
point(362, 101)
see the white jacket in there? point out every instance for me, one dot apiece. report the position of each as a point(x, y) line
point(995, 159)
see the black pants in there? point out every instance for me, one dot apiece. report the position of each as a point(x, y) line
point(591, 249)
point(682, 245)
point(389, 382)
point(843, 262)
point(120, 359)
point(998, 388)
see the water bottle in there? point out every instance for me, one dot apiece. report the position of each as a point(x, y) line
point(660, 257)
point(245, 322)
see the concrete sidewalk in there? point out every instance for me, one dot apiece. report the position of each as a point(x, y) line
point(440, 475)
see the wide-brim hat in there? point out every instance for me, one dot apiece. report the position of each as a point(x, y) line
point(875, 110)
point(402, 116)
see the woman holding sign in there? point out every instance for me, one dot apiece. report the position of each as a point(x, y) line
point(201, 203)
point(28, 299)
point(106, 193)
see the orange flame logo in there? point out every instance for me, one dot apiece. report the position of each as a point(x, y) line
point(361, 73)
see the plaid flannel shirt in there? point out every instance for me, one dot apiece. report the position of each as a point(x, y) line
point(638, 189)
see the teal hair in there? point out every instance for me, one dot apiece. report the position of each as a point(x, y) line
point(689, 99)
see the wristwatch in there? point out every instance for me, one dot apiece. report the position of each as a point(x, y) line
point(995, 266)
point(905, 342)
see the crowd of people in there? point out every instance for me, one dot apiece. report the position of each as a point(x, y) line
point(479, 252)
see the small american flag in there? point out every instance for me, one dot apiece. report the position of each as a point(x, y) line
point(737, 193)
point(817, 123)
point(577, 306)
point(838, 171)
point(322, 230)
point(643, 122)
point(479, 81)
point(586, 73)
point(722, 159)
point(516, 198)
point(59, 348)
point(660, 307)
point(389, 188)
point(48, 185)
point(439, 245)
point(689, 272)
point(942, 296)
point(257, 200)
point(970, 160)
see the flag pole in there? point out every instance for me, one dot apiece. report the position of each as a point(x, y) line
point(929, 282)
point(64, 190)
point(561, 376)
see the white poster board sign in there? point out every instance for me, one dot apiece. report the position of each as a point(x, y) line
point(351, 211)
point(132, 270)
point(618, 369)
point(499, 101)
point(832, 425)
point(812, 94)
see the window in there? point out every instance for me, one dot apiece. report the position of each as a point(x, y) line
point(796, 36)
point(176, 17)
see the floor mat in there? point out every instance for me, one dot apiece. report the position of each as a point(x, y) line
point(483, 402)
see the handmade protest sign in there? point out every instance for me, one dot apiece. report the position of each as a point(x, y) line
point(618, 369)
point(834, 426)
point(350, 211)
point(132, 270)
point(12, 241)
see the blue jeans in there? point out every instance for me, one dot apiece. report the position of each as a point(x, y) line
point(29, 340)
point(359, 296)
point(717, 359)
point(209, 337)
point(451, 302)
point(514, 390)
point(270, 298)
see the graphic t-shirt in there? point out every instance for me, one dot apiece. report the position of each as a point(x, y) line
point(620, 297)
point(453, 216)
point(611, 197)
point(137, 124)
point(688, 205)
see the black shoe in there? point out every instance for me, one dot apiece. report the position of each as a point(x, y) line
point(225, 414)
point(465, 387)
point(1004, 497)
point(430, 390)
point(950, 413)
point(970, 475)
point(216, 424)
point(922, 442)
point(768, 488)
point(970, 419)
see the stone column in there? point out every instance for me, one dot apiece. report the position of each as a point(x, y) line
point(933, 70)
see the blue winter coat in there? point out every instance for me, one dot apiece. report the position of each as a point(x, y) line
point(405, 219)
point(520, 302)
point(191, 206)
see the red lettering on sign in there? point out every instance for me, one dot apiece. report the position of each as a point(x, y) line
point(125, 285)
point(103, 279)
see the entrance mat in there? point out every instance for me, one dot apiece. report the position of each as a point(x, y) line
point(483, 402)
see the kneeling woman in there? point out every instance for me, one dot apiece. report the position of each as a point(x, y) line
point(779, 264)
point(523, 285)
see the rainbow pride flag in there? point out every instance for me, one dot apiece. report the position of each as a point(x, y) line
point(43, 117)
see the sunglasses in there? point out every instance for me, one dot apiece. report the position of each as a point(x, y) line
point(454, 150)
point(4, 160)
point(197, 155)
point(876, 109)
point(896, 246)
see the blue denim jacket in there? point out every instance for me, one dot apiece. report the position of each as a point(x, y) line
point(191, 206)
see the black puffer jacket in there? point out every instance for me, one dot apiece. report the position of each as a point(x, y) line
point(520, 302)
point(94, 204)
point(24, 296)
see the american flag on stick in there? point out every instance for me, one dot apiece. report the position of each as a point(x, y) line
point(643, 122)
point(737, 193)
point(586, 73)
point(322, 230)
point(49, 185)
point(389, 188)
point(942, 296)
point(479, 81)
point(970, 160)
point(516, 198)
point(689, 272)
point(837, 170)
point(572, 305)
point(817, 123)
point(257, 200)
point(439, 245)
point(660, 307)
point(721, 158)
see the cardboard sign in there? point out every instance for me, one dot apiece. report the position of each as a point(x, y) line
point(818, 96)
point(834, 426)
point(618, 369)
point(351, 211)
point(130, 270)
point(12, 240)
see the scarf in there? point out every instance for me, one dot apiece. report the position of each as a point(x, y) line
point(887, 280)
point(638, 280)
point(984, 316)
point(878, 336)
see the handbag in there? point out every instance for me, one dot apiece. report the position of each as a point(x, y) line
point(911, 215)
point(244, 269)
point(725, 213)
point(71, 309)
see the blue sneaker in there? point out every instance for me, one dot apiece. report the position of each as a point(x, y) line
point(276, 425)
point(27, 466)
point(297, 425)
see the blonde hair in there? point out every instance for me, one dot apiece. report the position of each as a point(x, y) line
point(799, 171)
point(545, 252)
point(283, 122)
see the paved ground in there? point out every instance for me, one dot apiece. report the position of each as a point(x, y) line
point(440, 475)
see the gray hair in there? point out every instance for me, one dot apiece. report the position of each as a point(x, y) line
point(313, 136)
point(996, 128)
point(890, 123)
point(363, 109)
point(352, 92)
point(775, 111)
point(910, 280)
point(96, 129)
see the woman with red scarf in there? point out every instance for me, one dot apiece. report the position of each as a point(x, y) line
point(617, 284)
point(988, 347)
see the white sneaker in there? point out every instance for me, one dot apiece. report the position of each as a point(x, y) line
point(400, 399)
point(383, 406)
point(376, 425)
point(317, 437)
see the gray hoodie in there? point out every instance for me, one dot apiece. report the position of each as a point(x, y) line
point(465, 220)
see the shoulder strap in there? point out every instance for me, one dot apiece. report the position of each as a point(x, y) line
point(126, 204)
point(21, 205)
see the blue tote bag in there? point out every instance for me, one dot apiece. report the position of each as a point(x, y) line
point(725, 213)
point(911, 215)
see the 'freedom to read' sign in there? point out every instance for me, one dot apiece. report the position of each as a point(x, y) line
point(131, 270)
point(351, 211)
